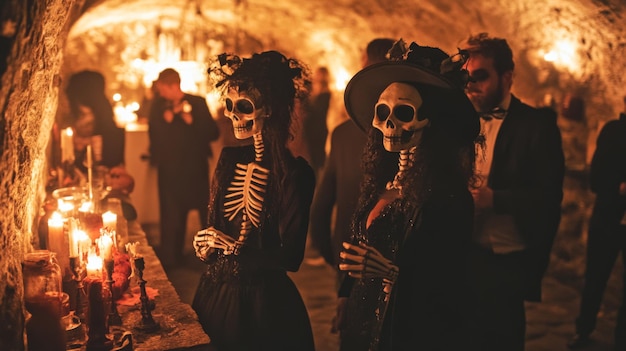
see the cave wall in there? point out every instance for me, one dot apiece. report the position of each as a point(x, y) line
point(334, 34)
point(28, 100)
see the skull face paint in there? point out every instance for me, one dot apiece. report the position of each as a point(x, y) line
point(396, 117)
point(244, 112)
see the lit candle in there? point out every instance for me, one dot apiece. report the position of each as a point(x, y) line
point(67, 145)
point(78, 240)
point(58, 241)
point(106, 247)
point(94, 265)
point(109, 220)
point(65, 206)
point(86, 206)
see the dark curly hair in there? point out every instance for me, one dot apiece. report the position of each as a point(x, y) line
point(443, 162)
point(279, 81)
point(496, 48)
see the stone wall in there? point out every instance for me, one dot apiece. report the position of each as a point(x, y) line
point(36, 31)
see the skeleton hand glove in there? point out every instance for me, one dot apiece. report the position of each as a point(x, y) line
point(210, 239)
point(364, 261)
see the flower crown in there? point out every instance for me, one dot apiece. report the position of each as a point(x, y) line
point(433, 59)
point(269, 72)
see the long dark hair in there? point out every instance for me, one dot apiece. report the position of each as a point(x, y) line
point(280, 81)
point(443, 161)
point(86, 88)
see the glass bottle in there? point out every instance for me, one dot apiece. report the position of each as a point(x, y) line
point(43, 297)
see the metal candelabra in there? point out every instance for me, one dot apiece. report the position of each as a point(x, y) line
point(114, 316)
point(147, 322)
point(78, 271)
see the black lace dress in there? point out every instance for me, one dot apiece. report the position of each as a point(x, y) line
point(247, 301)
point(427, 306)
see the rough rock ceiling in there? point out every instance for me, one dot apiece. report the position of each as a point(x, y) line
point(586, 39)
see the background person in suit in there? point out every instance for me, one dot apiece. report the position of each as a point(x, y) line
point(181, 129)
point(607, 230)
point(314, 130)
point(338, 187)
point(517, 206)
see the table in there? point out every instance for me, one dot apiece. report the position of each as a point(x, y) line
point(179, 327)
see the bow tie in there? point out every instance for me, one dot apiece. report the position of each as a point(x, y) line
point(497, 113)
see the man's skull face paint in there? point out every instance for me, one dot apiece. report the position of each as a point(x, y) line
point(246, 115)
point(396, 117)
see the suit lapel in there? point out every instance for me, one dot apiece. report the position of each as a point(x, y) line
point(505, 139)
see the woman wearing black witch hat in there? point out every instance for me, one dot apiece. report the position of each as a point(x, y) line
point(405, 284)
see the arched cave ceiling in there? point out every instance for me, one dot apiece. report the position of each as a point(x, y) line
point(587, 37)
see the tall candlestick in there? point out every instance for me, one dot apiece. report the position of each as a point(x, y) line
point(89, 171)
point(148, 324)
point(67, 145)
point(114, 316)
point(89, 156)
point(58, 242)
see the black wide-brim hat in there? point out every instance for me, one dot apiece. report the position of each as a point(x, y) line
point(456, 114)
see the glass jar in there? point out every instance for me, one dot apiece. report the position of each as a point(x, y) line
point(70, 199)
point(43, 297)
point(42, 278)
point(115, 205)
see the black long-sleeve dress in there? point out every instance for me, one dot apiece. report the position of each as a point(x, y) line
point(428, 304)
point(247, 301)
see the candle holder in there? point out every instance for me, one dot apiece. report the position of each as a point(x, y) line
point(114, 316)
point(147, 322)
point(98, 340)
point(78, 271)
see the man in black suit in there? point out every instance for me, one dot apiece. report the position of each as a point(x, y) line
point(338, 188)
point(517, 201)
point(181, 130)
point(607, 230)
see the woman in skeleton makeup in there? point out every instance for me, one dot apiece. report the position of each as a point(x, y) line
point(404, 287)
point(258, 212)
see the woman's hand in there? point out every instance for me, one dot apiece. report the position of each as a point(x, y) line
point(365, 261)
point(209, 239)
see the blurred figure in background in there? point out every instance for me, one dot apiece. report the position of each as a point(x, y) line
point(314, 129)
point(181, 129)
point(573, 125)
point(92, 119)
point(338, 187)
point(607, 231)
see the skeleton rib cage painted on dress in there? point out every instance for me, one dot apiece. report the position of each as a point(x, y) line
point(233, 219)
point(246, 193)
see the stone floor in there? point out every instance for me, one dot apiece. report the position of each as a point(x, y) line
point(549, 323)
